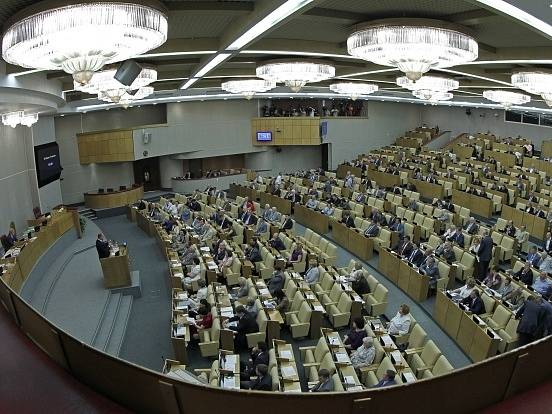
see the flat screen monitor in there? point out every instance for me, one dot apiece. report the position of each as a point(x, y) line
point(48, 166)
point(264, 136)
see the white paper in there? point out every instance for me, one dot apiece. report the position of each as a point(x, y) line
point(288, 372)
point(287, 354)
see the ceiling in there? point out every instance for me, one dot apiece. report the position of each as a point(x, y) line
point(198, 29)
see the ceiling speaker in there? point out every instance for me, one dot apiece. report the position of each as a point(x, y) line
point(128, 71)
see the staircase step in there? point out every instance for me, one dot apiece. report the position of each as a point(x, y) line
point(117, 335)
point(106, 323)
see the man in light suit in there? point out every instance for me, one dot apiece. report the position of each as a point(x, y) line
point(312, 274)
point(262, 227)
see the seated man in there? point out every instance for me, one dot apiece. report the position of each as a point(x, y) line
point(444, 216)
point(328, 210)
point(533, 257)
point(267, 213)
point(245, 325)
point(275, 215)
point(348, 220)
point(449, 233)
point(473, 303)
point(312, 202)
point(312, 274)
point(400, 324)
point(471, 227)
point(372, 230)
point(259, 355)
point(543, 285)
point(262, 227)
point(193, 275)
point(416, 256)
point(365, 354)
point(263, 382)
point(325, 383)
point(253, 253)
point(446, 252)
point(525, 274)
point(387, 380)
point(458, 237)
point(405, 247)
point(276, 242)
point(430, 269)
point(546, 263)
point(287, 223)
point(276, 282)
point(397, 226)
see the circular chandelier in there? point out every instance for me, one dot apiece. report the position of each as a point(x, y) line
point(538, 82)
point(506, 98)
point(295, 75)
point(432, 96)
point(248, 87)
point(13, 119)
point(414, 46)
point(429, 82)
point(81, 38)
point(353, 90)
point(109, 89)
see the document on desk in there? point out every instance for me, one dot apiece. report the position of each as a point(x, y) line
point(230, 362)
point(205, 249)
point(286, 353)
point(349, 380)
point(319, 308)
point(408, 377)
point(233, 324)
point(180, 331)
point(342, 358)
point(228, 382)
point(178, 274)
point(288, 372)
point(264, 292)
point(332, 340)
point(396, 357)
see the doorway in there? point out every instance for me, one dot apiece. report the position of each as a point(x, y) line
point(148, 173)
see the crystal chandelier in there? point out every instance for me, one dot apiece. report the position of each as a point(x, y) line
point(127, 98)
point(538, 83)
point(248, 87)
point(13, 119)
point(429, 82)
point(110, 89)
point(506, 98)
point(353, 90)
point(81, 38)
point(414, 46)
point(295, 75)
point(432, 96)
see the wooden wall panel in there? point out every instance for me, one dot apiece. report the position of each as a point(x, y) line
point(287, 131)
point(106, 146)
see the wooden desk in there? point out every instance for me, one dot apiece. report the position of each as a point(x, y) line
point(428, 190)
point(131, 213)
point(282, 205)
point(316, 221)
point(342, 169)
point(479, 205)
point(384, 179)
point(536, 226)
point(353, 241)
point(116, 269)
point(113, 199)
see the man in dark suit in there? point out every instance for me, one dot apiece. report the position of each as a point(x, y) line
point(246, 325)
point(458, 237)
point(472, 226)
point(473, 303)
point(348, 220)
point(252, 253)
point(485, 252)
point(530, 315)
point(259, 355)
point(416, 256)
point(102, 246)
point(263, 382)
point(525, 274)
point(405, 248)
point(372, 230)
point(387, 380)
point(533, 257)
point(325, 383)
point(288, 223)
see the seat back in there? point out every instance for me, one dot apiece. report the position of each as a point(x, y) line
point(501, 315)
point(345, 303)
point(442, 366)
point(430, 353)
point(305, 312)
point(380, 293)
point(417, 337)
point(336, 292)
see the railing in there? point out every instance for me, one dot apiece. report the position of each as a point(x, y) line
point(463, 391)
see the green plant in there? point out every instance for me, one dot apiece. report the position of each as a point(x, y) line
point(82, 223)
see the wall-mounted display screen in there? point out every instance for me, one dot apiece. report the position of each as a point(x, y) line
point(264, 136)
point(48, 166)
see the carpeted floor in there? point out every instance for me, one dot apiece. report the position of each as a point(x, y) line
point(147, 340)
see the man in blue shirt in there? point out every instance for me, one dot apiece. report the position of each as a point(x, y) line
point(542, 285)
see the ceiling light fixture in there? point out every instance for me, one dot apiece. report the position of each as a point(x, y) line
point(537, 82)
point(295, 75)
point(414, 46)
point(13, 119)
point(81, 38)
point(248, 87)
point(109, 89)
point(353, 90)
point(272, 19)
point(432, 96)
point(506, 98)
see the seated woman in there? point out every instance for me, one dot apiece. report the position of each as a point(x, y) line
point(354, 337)
point(204, 319)
point(296, 255)
point(282, 301)
point(493, 279)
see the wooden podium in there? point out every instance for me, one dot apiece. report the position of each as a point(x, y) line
point(116, 269)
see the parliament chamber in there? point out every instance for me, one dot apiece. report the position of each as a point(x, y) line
point(297, 205)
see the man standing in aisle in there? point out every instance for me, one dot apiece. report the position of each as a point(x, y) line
point(485, 253)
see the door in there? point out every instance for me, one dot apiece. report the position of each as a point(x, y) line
point(147, 173)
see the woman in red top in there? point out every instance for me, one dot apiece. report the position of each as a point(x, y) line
point(206, 318)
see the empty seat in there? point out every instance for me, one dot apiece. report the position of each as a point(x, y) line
point(376, 301)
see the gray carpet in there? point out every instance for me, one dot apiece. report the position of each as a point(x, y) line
point(147, 339)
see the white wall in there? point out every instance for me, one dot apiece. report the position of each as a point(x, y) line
point(16, 198)
point(482, 120)
point(78, 179)
point(169, 168)
point(385, 122)
point(201, 130)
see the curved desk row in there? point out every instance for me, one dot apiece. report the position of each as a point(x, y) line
point(113, 199)
point(222, 183)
